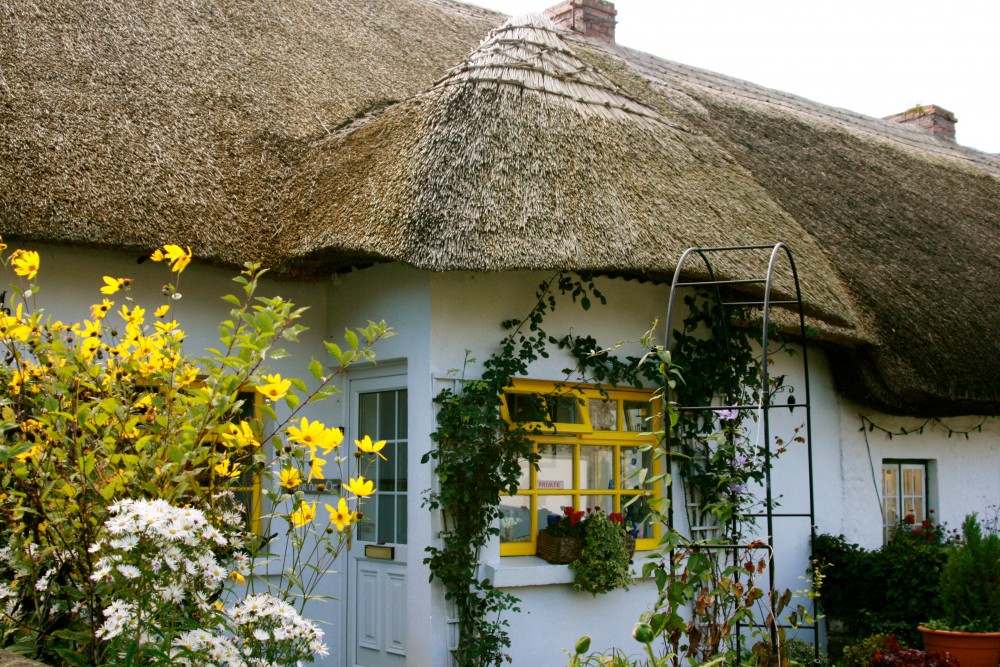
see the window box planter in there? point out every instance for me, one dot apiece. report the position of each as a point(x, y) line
point(559, 550)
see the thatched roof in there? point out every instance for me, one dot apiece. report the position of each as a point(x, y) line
point(318, 136)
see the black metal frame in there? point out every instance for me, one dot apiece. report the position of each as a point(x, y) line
point(777, 251)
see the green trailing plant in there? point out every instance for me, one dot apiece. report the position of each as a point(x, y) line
point(603, 564)
point(477, 457)
point(718, 460)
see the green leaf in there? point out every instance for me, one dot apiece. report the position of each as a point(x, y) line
point(351, 338)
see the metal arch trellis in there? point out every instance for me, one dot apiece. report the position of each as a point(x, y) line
point(716, 286)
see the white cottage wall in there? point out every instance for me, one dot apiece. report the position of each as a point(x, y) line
point(964, 473)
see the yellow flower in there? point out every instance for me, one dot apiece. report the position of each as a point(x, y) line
point(275, 387)
point(34, 451)
point(366, 445)
point(112, 285)
point(289, 478)
point(240, 436)
point(25, 263)
point(14, 326)
point(157, 255)
point(162, 310)
point(341, 516)
point(99, 310)
point(223, 469)
point(237, 577)
point(88, 329)
point(134, 316)
point(304, 514)
point(177, 256)
point(316, 468)
point(360, 487)
point(315, 435)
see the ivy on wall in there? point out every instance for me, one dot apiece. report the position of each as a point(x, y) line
point(478, 456)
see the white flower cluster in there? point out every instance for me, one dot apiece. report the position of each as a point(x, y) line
point(152, 537)
point(161, 559)
point(269, 621)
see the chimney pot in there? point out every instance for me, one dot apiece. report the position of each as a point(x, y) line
point(940, 123)
point(593, 18)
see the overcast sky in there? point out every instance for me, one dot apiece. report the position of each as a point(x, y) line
point(876, 57)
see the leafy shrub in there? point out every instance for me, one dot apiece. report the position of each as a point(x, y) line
point(861, 653)
point(900, 656)
point(883, 591)
point(970, 582)
point(107, 417)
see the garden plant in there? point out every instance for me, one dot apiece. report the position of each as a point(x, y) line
point(123, 461)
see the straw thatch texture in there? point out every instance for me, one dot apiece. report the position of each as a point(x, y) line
point(317, 135)
point(527, 157)
point(911, 222)
point(136, 122)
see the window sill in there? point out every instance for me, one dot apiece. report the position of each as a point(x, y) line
point(524, 571)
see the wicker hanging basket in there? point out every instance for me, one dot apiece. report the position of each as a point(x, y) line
point(559, 550)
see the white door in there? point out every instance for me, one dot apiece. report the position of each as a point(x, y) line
point(376, 563)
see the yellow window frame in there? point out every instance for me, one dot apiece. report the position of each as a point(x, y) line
point(580, 434)
point(250, 479)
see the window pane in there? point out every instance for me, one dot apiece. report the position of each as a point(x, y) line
point(555, 467)
point(603, 414)
point(606, 503)
point(366, 527)
point(554, 507)
point(385, 471)
point(402, 415)
point(597, 467)
point(533, 407)
point(637, 416)
point(401, 519)
point(368, 416)
point(386, 415)
point(633, 460)
point(386, 518)
point(515, 524)
point(401, 464)
point(636, 516)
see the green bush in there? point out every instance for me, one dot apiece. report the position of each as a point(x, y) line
point(883, 591)
point(970, 582)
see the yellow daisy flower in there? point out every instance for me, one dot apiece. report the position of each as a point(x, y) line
point(226, 469)
point(341, 516)
point(178, 257)
point(366, 445)
point(304, 514)
point(289, 478)
point(360, 487)
point(240, 436)
point(25, 263)
point(274, 387)
point(112, 285)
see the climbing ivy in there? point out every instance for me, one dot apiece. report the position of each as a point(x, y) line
point(717, 350)
point(478, 457)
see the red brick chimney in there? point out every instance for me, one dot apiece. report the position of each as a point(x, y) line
point(940, 123)
point(593, 18)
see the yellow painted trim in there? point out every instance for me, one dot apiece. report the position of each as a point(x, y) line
point(579, 435)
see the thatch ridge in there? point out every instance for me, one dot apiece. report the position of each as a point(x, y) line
point(321, 135)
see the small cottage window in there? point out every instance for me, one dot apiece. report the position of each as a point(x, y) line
point(904, 493)
point(591, 456)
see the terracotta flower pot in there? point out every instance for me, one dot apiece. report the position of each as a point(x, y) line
point(971, 649)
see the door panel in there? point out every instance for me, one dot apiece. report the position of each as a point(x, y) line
point(376, 563)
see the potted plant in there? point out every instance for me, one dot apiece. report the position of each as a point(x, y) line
point(969, 591)
point(603, 563)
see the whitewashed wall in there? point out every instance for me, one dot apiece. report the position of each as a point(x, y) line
point(964, 474)
point(437, 316)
